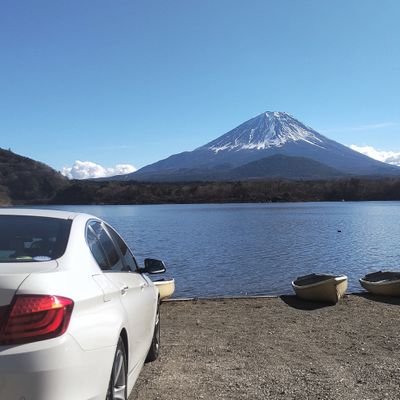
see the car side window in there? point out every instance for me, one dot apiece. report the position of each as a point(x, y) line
point(102, 247)
point(129, 259)
point(97, 251)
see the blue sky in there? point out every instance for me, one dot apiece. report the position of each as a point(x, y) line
point(133, 82)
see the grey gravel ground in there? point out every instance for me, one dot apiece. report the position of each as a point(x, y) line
point(276, 348)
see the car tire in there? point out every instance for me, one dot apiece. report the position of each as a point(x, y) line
point(154, 350)
point(118, 386)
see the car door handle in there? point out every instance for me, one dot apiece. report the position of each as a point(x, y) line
point(124, 290)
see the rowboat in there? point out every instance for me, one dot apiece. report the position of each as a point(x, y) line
point(386, 283)
point(166, 287)
point(320, 287)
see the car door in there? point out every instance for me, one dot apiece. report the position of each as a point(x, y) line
point(136, 295)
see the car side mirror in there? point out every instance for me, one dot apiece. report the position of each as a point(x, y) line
point(152, 266)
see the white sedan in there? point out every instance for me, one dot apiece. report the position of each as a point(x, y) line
point(78, 317)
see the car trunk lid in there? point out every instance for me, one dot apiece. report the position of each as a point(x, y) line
point(12, 275)
point(9, 284)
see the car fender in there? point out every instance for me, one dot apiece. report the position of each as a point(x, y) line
point(94, 323)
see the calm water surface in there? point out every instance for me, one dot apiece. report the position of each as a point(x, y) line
point(239, 249)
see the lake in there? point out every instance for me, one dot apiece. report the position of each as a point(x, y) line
point(249, 249)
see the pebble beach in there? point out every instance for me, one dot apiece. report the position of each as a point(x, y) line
point(276, 348)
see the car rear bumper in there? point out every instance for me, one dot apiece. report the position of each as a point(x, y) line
point(56, 369)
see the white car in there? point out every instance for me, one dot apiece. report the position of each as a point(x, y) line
point(78, 317)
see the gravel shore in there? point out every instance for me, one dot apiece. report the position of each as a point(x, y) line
point(276, 348)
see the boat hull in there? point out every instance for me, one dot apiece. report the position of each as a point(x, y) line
point(329, 290)
point(382, 283)
point(166, 287)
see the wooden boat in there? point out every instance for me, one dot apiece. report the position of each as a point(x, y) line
point(386, 283)
point(320, 287)
point(166, 287)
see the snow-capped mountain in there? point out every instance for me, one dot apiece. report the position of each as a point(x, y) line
point(268, 130)
point(258, 139)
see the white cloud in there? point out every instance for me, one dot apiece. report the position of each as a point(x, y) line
point(372, 127)
point(390, 157)
point(362, 128)
point(88, 169)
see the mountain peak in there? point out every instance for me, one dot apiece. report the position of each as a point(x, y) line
point(267, 130)
point(274, 114)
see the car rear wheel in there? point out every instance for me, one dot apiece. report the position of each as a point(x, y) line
point(154, 350)
point(117, 388)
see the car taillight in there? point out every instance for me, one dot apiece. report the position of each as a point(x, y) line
point(35, 317)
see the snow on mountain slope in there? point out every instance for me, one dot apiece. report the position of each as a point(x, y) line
point(270, 129)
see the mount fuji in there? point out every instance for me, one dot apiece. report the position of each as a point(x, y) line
point(272, 144)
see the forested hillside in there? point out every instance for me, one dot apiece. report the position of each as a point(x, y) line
point(23, 180)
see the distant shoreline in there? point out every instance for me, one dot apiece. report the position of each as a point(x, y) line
point(268, 191)
point(77, 192)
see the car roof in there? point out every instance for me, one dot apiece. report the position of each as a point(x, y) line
point(38, 212)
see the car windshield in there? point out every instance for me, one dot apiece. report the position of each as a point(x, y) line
point(32, 239)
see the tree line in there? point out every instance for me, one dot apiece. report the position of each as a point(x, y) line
point(111, 192)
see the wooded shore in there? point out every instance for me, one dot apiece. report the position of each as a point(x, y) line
point(271, 191)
